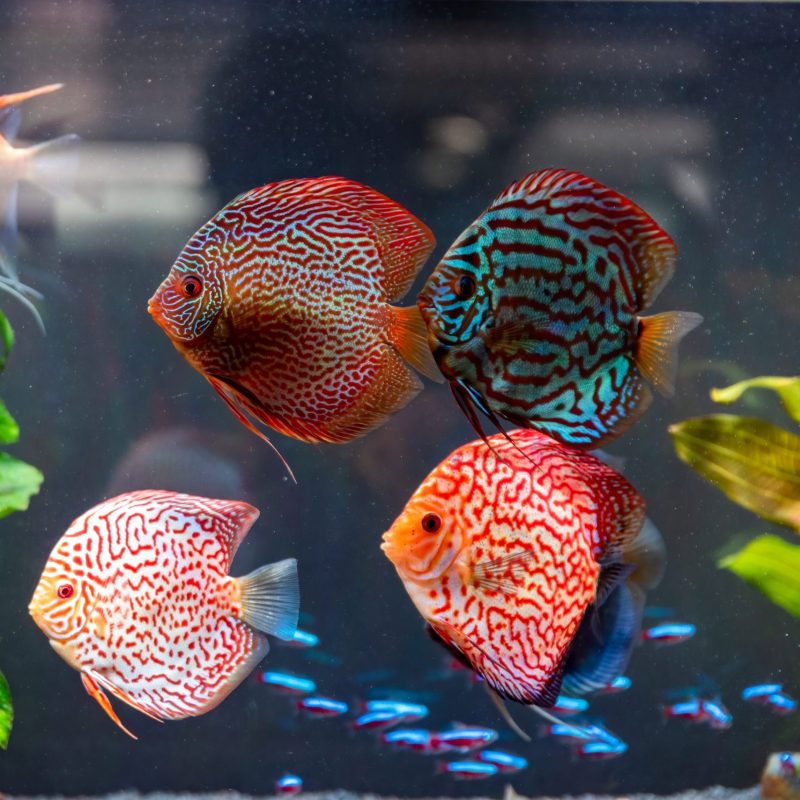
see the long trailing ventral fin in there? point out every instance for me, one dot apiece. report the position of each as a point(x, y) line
point(500, 705)
point(236, 409)
point(471, 401)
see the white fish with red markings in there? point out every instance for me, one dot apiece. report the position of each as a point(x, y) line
point(137, 597)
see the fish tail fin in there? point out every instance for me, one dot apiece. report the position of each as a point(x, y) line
point(54, 164)
point(656, 351)
point(407, 332)
point(271, 599)
point(647, 554)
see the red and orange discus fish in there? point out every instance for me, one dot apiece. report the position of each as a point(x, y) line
point(137, 597)
point(283, 302)
point(525, 558)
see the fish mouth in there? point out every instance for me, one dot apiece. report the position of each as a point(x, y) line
point(154, 307)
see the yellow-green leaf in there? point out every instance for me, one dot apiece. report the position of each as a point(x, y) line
point(9, 430)
point(6, 712)
point(773, 567)
point(755, 463)
point(788, 389)
point(18, 482)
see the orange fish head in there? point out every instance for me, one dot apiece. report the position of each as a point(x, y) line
point(62, 603)
point(425, 540)
point(189, 301)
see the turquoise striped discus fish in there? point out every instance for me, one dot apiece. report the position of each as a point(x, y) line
point(533, 314)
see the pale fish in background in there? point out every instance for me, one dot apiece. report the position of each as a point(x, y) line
point(51, 165)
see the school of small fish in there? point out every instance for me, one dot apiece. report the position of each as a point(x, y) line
point(527, 557)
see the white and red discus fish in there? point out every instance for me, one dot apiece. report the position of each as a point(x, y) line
point(507, 545)
point(137, 597)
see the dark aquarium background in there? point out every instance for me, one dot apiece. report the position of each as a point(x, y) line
point(691, 110)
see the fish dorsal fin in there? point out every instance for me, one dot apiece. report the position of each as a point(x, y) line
point(591, 208)
point(620, 508)
point(227, 520)
point(403, 240)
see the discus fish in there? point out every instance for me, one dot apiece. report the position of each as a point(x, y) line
point(505, 547)
point(533, 314)
point(137, 597)
point(282, 302)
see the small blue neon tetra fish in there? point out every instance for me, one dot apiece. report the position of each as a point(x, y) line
point(781, 703)
point(507, 763)
point(410, 712)
point(286, 683)
point(601, 751)
point(322, 707)
point(377, 720)
point(302, 640)
point(669, 633)
point(716, 715)
point(289, 784)
point(569, 706)
point(620, 684)
point(468, 770)
point(464, 739)
point(760, 692)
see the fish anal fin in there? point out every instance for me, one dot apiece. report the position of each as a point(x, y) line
point(504, 574)
point(407, 332)
point(391, 386)
point(95, 692)
point(657, 346)
point(650, 250)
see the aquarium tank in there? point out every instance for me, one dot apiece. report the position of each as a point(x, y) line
point(384, 299)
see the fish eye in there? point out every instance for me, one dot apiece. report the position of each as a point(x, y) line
point(191, 286)
point(65, 591)
point(431, 523)
point(466, 287)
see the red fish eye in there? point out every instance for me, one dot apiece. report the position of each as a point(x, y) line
point(431, 523)
point(65, 591)
point(191, 286)
point(466, 287)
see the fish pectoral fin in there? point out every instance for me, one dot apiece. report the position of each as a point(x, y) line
point(97, 693)
point(516, 333)
point(120, 695)
point(502, 574)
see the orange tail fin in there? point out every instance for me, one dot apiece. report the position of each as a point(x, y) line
point(657, 349)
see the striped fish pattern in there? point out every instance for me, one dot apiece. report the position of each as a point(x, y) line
point(533, 314)
point(283, 301)
point(504, 548)
point(137, 597)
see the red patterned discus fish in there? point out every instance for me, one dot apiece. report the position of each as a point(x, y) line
point(137, 597)
point(503, 553)
point(283, 302)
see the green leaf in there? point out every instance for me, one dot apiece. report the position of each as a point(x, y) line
point(18, 482)
point(788, 389)
point(6, 712)
point(6, 339)
point(755, 463)
point(9, 430)
point(773, 567)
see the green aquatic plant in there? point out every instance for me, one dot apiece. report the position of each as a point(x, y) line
point(788, 389)
point(757, 465)
point(6, 712)
point(18, 483)
point(772, 565)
